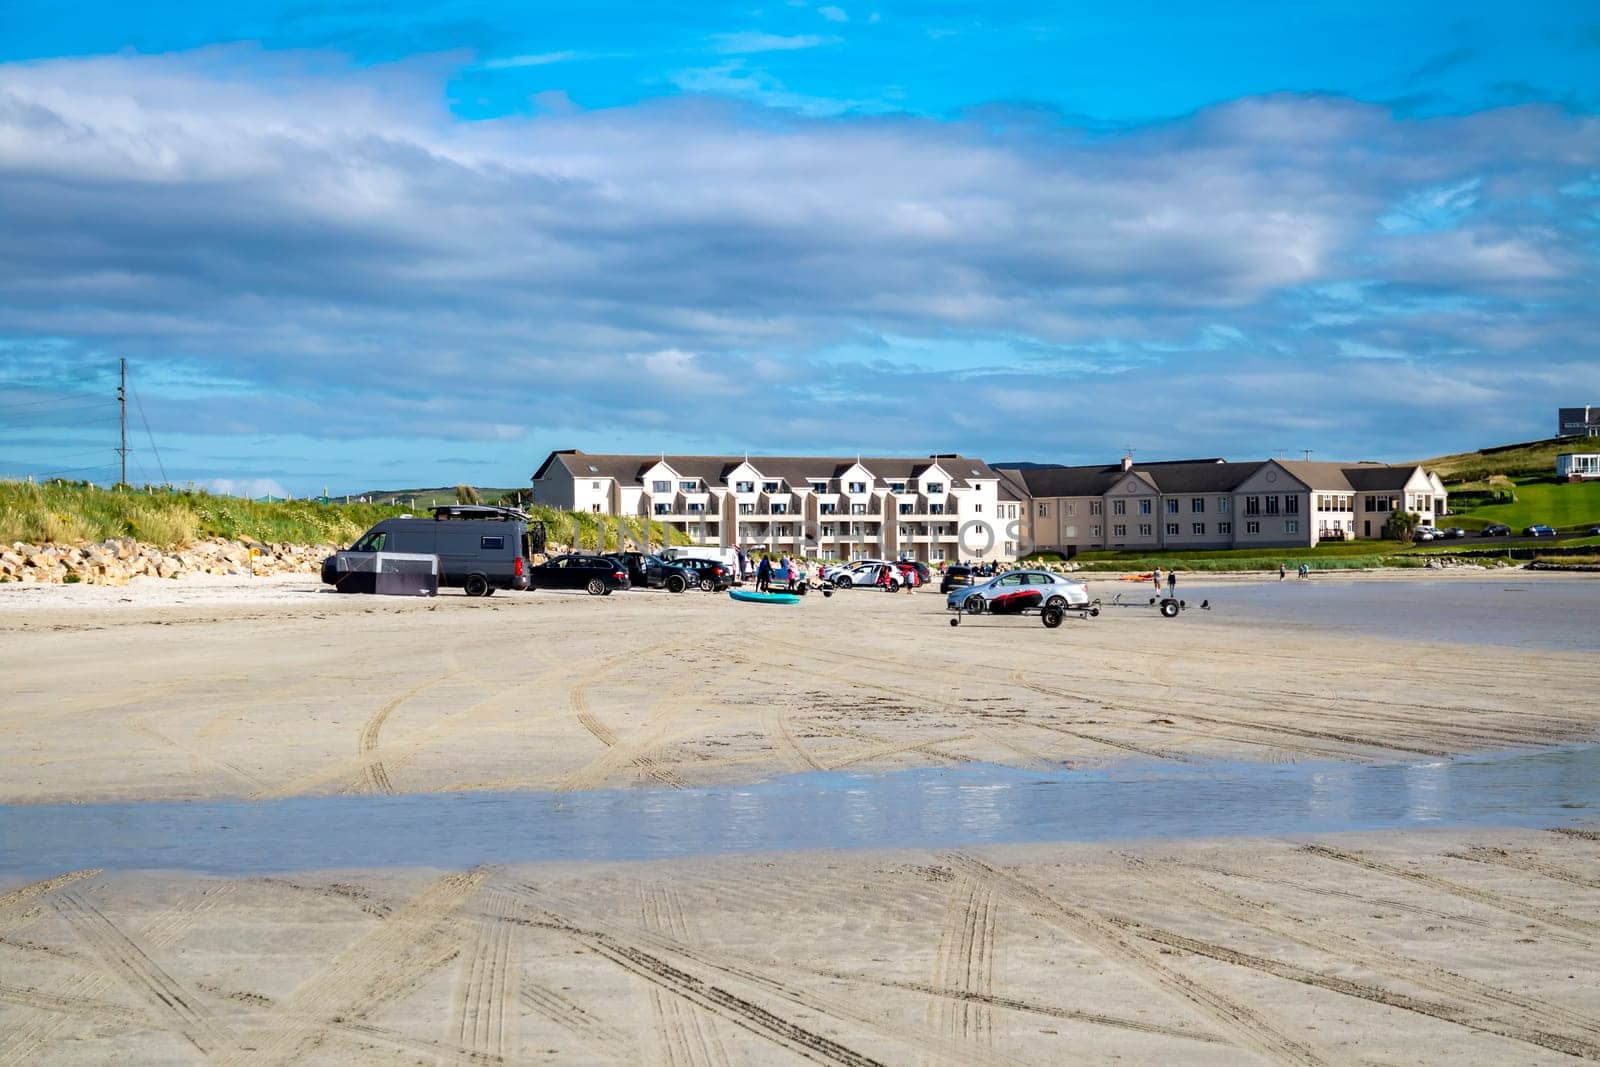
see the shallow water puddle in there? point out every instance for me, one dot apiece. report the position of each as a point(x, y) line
point(924, 808)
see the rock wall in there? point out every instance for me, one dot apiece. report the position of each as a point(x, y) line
point(118, 561)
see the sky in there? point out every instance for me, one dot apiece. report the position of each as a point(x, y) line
point(353, 245)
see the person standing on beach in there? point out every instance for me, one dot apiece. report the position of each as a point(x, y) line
point(764, 575)
point(1172, 584)
point(1156, 577)
point(1282, 570)
point(1305, 572)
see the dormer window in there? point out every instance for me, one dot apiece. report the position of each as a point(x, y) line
point(933, 488)
point(858, 487)
point(907, 509)
point(898, 487)
point(769, 487)
point(689, 487)
point(744, 487)
point(663, 509)
point(819, 487)
point(661, 487)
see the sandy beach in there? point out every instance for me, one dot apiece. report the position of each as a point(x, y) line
point(1476, 945)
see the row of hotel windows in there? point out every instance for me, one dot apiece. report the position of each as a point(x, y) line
point(1197, 506)
point(932, 488)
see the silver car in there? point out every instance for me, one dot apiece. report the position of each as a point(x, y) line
point(1018, 591)
point(866, 572)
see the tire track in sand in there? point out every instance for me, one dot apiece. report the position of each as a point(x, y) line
point(374, 775)
point(16, 906)
point(964, 963)
point(28, 1043)
point(687, 1034)
point(1516, 861)
point(1485, 897)
point(1249, 1026)
point(1513, 1016)
point(383, 965)
point(133, 965)
point(485, 987)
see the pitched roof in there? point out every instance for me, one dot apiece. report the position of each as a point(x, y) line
point(1213, 477)
point(795, 470)
point(1371, 479)
point(1177, 476)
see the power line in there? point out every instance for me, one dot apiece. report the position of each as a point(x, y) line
point(151, 437)
point(76, 399)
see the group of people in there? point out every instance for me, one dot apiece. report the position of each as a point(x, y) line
point(1304, 572)
point(1172, 581)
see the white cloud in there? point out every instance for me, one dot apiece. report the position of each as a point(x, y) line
point(745, 43)
point(834, 14)
point(540, 59)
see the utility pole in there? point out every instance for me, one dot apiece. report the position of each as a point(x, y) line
point(1308, 452)
point(122, 417)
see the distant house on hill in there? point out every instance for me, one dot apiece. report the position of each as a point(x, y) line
point(1578, 422)
point(1578, 466)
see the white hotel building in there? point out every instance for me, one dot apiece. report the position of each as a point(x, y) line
point(943, 507)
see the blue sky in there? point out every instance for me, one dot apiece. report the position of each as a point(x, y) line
point(361, 244)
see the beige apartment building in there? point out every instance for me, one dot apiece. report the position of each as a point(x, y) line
point(1213, 504)
point(933, 508)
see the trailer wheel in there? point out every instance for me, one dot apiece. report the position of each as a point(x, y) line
point(801, 590)
point(475, 585)
point(956, 621)
point(676, 584)
point(596, 587)
point(1169, 609)
point(1094, 612)
point(707, 585)
point(1051, 617)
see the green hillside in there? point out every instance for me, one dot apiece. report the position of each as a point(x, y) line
point(1523, 460)
point(1564, 506)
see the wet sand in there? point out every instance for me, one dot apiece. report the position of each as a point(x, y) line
point(1469, 945)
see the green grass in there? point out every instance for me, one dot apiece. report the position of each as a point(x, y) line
point(62, 512)
point(1562, 505)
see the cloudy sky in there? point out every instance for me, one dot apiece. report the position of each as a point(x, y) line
point(357, 244)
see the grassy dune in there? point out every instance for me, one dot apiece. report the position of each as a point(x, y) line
point(61, 512)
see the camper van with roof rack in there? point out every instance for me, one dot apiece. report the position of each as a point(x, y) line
point(480, 547)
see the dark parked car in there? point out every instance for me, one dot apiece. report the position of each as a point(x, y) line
point(710, 575)
point(1495, 529)
point(596, 574)
point(956, 574)
point(1539, 530)
point(646, 571)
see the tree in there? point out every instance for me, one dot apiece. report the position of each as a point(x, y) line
point(1403, 524)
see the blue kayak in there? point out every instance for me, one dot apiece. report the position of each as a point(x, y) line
point(764, 598)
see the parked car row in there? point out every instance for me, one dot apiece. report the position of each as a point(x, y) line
point(878, 572)
point(1538, 529)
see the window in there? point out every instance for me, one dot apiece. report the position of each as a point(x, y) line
point(370, 543)
point(1044, 511)
point(1172, 529)
point(747, 509)
point(858, 509)
point(1224, 527)
point(906, 509)
point(780, 509)
point(1198, 529)
point(1197, 505)
point(1291, 505)
point(858, 487)
point(1291, 526)
point(1144, 507)
point(1094, 531)
point(594, 485)
point(1252, 527)
point(769, 487)
point(1145, 529)
point(933, 488)
point(828, 509)
point(1070, 532)
point(744, 487)
point(1119, 507)
point(1222, 505)
point(977, 507)
point(1272, 505)
point(1172, 505)
point(663, 509)
point(661, 487)
point(1072, 509)
point(1252, 506)
point(1119, 530)
point(935, 509)
point(595, 508)
point(697, 509)
point(689, 487)
point(897, 487)
point(819, 487)
point(1096, 506)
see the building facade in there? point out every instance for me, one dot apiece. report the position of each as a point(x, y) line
point(950, 507)
point(934, 508)
point(1578, 466)
point(1212, 504)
